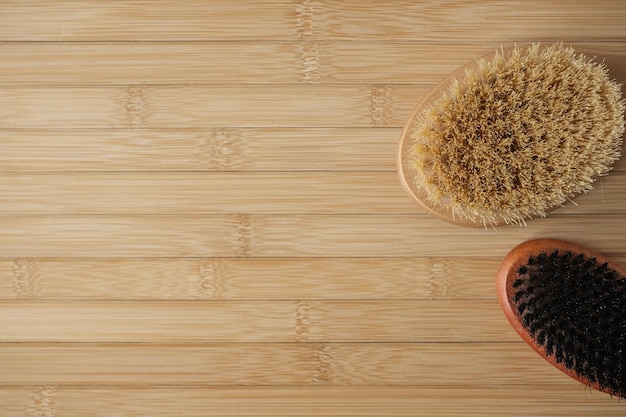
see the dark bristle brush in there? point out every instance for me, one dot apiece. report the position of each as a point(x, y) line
point(569, 304)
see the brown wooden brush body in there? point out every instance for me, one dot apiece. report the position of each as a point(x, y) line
point(616, 65)
point(507, 274)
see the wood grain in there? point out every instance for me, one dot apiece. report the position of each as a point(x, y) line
point(420, 235)
point(219, 193)
point(266, 20)
point(368, 278)
point(254, 321)
point(281, 236)
point(292, 235)
point(247, 278)
point(543, 401)
point(203, 150)
point(201, 193)
point(244, 62)
point(208, 106)
point(279, 364)
point(199, 150)
point(78, 236)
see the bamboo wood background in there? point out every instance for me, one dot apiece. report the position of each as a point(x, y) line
point(200, 213)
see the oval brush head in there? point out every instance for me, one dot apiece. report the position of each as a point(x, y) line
point(512, 136)
point(569, 304)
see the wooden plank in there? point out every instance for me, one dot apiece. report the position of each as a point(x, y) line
point(218, 149)
point(201, 193)
point(226, 63)
point(311, 19)
point(288, 236)
point(150, 63)
point(127, 321)
point(203, 150)
point(529, 21)
point(169, 236)
point(223, 193)
point(247, 278)
point(414, 62)
point(147, 20)
point(404, 321)
point(209, 106)
point(421, 235)
point(254, 321)
point(535, 399)
point(252, 364)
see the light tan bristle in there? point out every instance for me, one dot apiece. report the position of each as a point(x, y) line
point(518, 136)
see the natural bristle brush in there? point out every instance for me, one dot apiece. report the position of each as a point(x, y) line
point(569, 304)
point(514, 135)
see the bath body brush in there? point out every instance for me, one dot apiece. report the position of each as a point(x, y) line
point(514, 135)
point(569, 304)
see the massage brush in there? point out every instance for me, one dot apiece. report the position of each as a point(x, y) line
point(514, 135)
point(569, 304)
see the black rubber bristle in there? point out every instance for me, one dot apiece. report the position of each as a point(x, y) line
point(576, 310)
